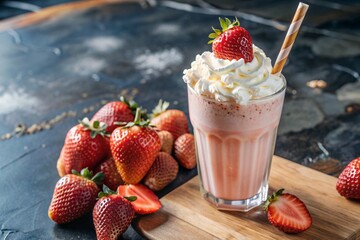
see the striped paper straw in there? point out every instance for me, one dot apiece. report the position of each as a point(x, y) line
point(290, 38)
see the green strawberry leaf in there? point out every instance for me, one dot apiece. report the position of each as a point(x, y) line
point(160, 108)
point(138, 121)
point(73, 171)
point(129, 124)
point(223, 24)
point(273, 198)
point(94, 127)
point(102, 194)
point(213, 35)
point(130, 198)
point(124, 100)
point(98, 178)
point(228, 22)
point(217, 31)
point(120, 123)
point(133, 106)
point(86, 173)
point(93, 134)
point(106, 191)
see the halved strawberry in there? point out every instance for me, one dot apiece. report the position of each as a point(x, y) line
point(146, 202)
point(287, 212)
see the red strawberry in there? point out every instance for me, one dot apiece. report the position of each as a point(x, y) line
point(166, 140)
point(112, 215)
point(60, 164)
point(172, 120)
point(85, 146)
point(348, 184)
point(184, 151)
point(114, 112)
point(287, 212)
point(146, 202)
point(107, 143)
point(232, 42)
point(74, 195)
point(162, 172)
point(134, 148)
point(112, 177)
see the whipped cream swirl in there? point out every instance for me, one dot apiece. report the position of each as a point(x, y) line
point(234, 80)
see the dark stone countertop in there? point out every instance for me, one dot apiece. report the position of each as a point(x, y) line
point(61, 64)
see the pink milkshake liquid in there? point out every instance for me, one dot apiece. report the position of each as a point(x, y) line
point(235, 144)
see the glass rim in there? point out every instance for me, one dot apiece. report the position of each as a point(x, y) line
point(282, 89)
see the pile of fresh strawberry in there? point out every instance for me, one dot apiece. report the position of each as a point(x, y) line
point(127, 151)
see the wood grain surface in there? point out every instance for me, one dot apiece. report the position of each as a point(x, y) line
point(185, 215)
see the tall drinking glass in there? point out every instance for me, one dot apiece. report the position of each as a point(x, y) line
point(234, 146)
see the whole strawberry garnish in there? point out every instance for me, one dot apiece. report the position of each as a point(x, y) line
point(166, 140)
point(146, 201)
point(162, 172)
point(85, 146)
point(348, 184)
point(184, 151)
point(232, 41)
point(171, 120)
point(134, 148)
point(74, 195)
point(113, 112)
point(112, 177)
point(287, 212)
point(112, 214)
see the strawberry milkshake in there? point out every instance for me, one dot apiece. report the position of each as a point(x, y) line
point(235, 105)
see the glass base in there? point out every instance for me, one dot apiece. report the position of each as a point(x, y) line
point(242, 205)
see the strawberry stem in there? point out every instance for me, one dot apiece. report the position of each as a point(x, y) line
point(137, 116)
point(106, 192)
point(133, 106)
point(86, 173)
point(138, 121)
point(273, 198)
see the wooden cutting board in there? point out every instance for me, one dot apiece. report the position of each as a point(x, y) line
point(185, 215)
